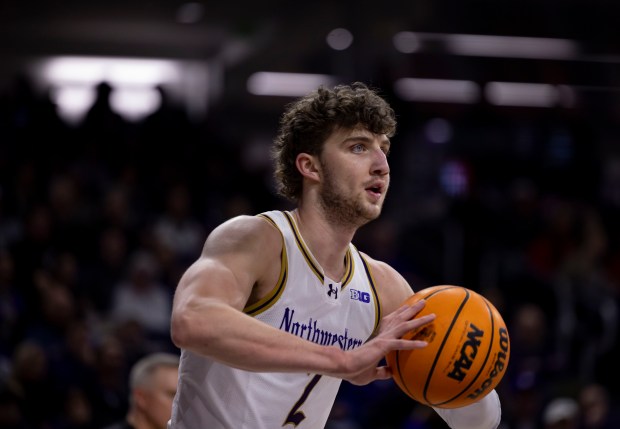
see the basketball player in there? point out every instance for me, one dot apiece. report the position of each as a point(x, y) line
point(152, 384)
point(281, 307)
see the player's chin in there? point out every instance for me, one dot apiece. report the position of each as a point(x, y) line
point(369, 214)
point(369, 211)
point(374, 210)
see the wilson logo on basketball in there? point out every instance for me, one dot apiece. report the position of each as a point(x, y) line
point(498, 367)
point(469, 350)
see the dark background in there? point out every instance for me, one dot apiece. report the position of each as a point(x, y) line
point(518, 203)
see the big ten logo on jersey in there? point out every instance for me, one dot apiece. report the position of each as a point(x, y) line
point(360, 296)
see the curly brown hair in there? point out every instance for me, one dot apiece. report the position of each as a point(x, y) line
point(308, 122)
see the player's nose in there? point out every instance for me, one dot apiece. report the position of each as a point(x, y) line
point(380, 164)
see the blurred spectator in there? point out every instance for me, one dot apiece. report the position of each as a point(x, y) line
point(176, 228)
point(32, 118)
point(561, 413)
point(109, 393)
point(533, 352)
point(57, 310)
point(523, 398)
point(100, 116)
point(152, 386)
point(30, 253)
point(141, 298)
point(597, 410)
point(556, 240)
point(166, 135)
point(11, 408)
point(39, 400)
point(11, 307)
point(77, 411)
point(119, 209)
point(24, 189)
point(70, 214)
point(106, 129)
point(107, 268)
point(10, 225)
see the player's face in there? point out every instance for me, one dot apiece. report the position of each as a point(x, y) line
point(355, 175)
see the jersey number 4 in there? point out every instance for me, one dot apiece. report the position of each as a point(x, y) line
point(296, 416)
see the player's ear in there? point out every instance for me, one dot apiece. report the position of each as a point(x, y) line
point(308, 166)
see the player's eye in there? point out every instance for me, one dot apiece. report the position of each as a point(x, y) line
point(358, 148)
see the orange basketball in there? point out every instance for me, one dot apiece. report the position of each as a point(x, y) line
point(467, 353)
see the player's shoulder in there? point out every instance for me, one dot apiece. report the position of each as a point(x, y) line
point(392, 287)
point(381, 271)
point(245, 224)
point(244, 231)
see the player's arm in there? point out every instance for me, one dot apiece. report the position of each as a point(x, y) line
point(483, 414)
point(207, 316)
point(393, 290)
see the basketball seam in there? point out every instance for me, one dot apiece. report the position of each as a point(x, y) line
point(443, 343)
point(402, 383)
point(486, 358)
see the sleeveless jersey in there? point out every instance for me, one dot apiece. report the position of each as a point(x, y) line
point(305, 303)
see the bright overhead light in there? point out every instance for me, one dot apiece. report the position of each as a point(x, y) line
point(115, 70)
point(489, 45)
point(522, 94)
point(286, 84)
point(135, 103)
point(517, 94)
point(72, 80)
point(437, 90)
point(73, 101)
point(406, 42)
point(513, 47)
point(339, 39)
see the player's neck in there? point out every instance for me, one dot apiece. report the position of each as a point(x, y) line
point(327, 242)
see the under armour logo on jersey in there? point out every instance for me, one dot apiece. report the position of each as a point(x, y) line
point(332, 290)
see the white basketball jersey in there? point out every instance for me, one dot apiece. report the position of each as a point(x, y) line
point(305, 303)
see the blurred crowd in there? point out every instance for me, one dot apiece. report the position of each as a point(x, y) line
point(98, 221)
